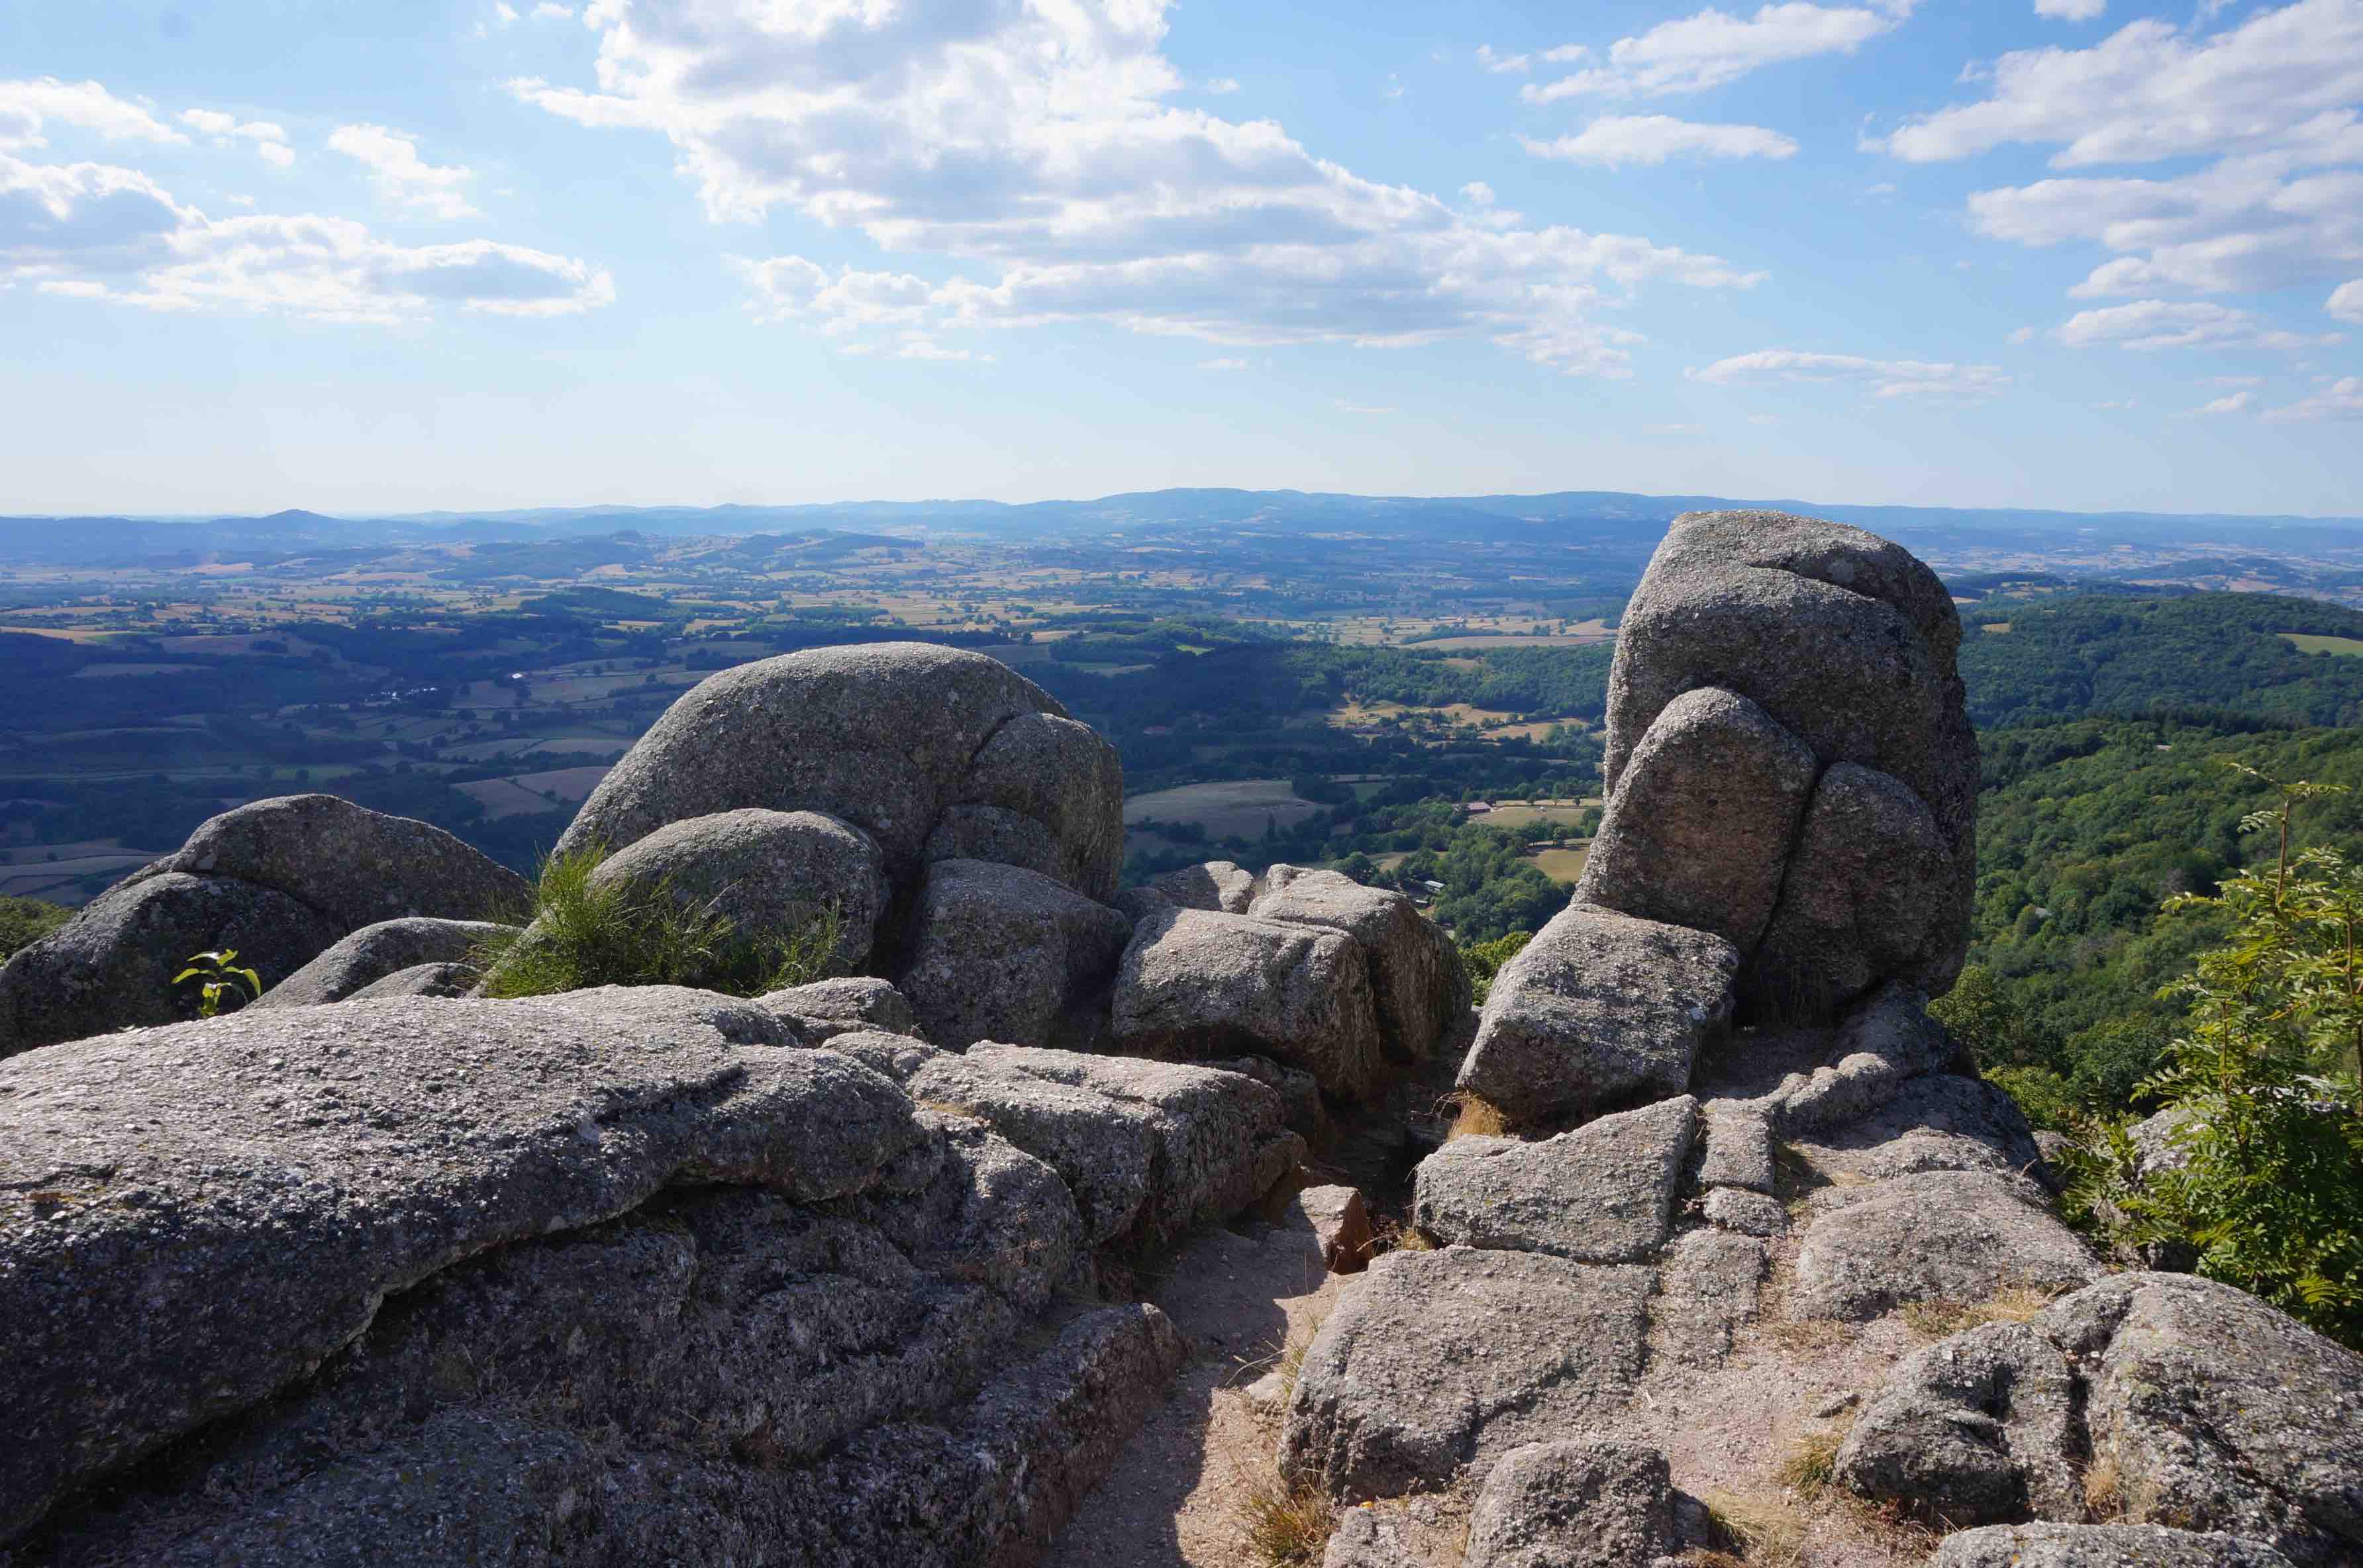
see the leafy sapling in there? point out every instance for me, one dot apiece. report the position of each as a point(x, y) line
point(221, 979)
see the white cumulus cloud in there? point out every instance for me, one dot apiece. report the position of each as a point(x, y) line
point(1026, 166)
point(2163, 324)
point(99, 232)
point(401, 175)
point(1887, 378)
point(28, 107)
point(2345, 302)
point(2234, 403)
point(1714, 46)
point(2271, 105)
point(2070, 10)
point(1614, 140)
point(270, 140)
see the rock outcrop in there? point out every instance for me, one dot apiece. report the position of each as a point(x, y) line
point(375, 953)
point(1758, 641)
point(889, 737)
point(279, 880)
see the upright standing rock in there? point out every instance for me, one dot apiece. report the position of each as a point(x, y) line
point(1845, 642)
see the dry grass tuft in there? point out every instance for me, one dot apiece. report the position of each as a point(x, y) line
point(1810, 1468)
point(2012, 1304)
point(1762, 1532)
point(1808, 1333)
point(1285, 1525)
point(1476, 1117)
point(1389, 1234)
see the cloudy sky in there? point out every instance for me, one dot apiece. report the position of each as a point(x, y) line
point(357, 256)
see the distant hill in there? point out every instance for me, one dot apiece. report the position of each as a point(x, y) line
point(1585, 515)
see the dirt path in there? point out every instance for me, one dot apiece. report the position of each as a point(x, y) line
point(1175, 1496)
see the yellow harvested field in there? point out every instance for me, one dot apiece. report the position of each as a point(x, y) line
point(1562, 865)
point(1995, 627)
point(1238, 808)
point(1564, 814)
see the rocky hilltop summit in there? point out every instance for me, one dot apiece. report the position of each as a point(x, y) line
point(1197, 1222)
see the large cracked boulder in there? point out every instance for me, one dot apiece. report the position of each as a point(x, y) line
point(1416, 979)
point(2182, 1402)
point(888, 736)
point(1847, 643)
point(2100, 1546)
point(192, 1216)
point(278, 881)
point(1602, 1193)
point(1197, 983)
point(1437, 1360)
point(1599, 1009)
point(376, 952)
point(1000, 953)
point(770, 874)
point(1698, 832)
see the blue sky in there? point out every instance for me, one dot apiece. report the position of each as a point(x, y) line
point(360, 257)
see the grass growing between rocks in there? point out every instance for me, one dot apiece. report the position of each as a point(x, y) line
point(1810, 1468)
point(1476, 1117)
point(1283, 1525)
point(581, 933)
point(1760, 1532)
point(1943, 1319)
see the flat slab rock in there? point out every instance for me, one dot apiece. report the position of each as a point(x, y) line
point(1437, 1360)
point(1603, 1193)
point(192, 1216)
point(1934, 1236)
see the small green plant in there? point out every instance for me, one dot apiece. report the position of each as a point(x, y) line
point(219, 980)
point(2264, 1188)
point(582, 931)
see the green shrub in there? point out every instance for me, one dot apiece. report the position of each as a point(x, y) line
point(24, 922)
point(1484, 960)
point(581, 932)
point(2268, 1191)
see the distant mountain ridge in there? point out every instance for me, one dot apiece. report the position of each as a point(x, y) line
point(149, 540)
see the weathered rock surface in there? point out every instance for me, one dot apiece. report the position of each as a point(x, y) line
point(1603, 1193)
point(1978, 1430)
point(1956, 1236)
point(1738, 1149)
point(999, 953)
point(423, 980)
point(1046, 776)
point(1416, 980)
point(192, 1217)
point(1433, 1360)
point(2220, 1413)
point(1221, 1140)
point(1368, 1538)
point(1886, 1041)
point(1597, 1504)
point(2100, 1546)
point(353, 865)
point(769, 873)
point(1195, 983)
point(1711, 1282)
point(2203, 1408)
point(1857, 906)
point(1104, 1150)
point(1699, 830)
point(1939, 1121)
point(374, 951)
point(1850, 644)
point(1218, 886)
point(1599, 1008)
point(1749, 1213)
point(887, 736)
point(854, 1001)
point(112, 965)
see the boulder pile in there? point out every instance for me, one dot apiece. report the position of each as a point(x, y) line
point(379, 1270)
